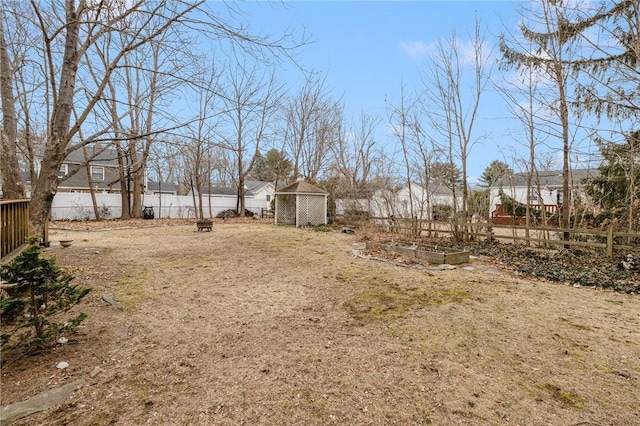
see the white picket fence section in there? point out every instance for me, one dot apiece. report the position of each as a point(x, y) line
point(78, 206)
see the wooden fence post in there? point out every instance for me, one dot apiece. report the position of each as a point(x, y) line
point(610, 241)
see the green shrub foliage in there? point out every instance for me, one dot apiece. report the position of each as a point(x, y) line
point(37, 289)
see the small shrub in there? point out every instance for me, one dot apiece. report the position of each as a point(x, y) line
point(356, 216)
point(442, 212)
point(37, 290)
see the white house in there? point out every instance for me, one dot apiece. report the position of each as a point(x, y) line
point(396, 202)
point(257, 196)
point(545, 192)
point(263, 192)
point(158, 188)
point(426, 202)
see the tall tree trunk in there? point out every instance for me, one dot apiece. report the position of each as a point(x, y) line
point(564, 120)
point(87, 168)
point(124, 174)
point(55, 152)
point(137, 182)
point(200, 206)
point(12, 186)
point(240, 203)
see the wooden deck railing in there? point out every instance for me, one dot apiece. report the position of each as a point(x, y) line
point(549, 209)
point(14, 225)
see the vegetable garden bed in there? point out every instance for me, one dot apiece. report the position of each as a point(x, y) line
point(430, 253)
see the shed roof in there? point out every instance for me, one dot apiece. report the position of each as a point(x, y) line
point(301, 187)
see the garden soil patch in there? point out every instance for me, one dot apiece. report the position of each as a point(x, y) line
point(258, 324)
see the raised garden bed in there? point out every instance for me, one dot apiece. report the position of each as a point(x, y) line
point(421, 252)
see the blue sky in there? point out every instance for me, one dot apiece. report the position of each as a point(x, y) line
point(367, 49)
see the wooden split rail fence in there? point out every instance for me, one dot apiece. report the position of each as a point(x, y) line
point(548, 237)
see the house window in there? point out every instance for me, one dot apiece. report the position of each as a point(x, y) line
point(97, 173)
point(268, 197)
point(64, 169)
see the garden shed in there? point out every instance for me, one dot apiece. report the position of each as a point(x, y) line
point(301, 204)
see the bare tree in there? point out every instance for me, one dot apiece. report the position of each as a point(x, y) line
point(250, 102)
point(425, 154)
point(356, 155)
point(13, 187)
point(68, 32)
point(521, 98)
point(553, 47)
point(399, 118)
point(454, 95)
point(313, 119)
point(140, 90)
point(202, 136)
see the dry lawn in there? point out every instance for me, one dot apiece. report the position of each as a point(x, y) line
point(258, 324)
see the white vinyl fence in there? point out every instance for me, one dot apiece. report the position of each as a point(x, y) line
point(78, 206)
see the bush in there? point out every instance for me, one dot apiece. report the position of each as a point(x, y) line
point(356, 216)
point(442, 212)
point(323, 228)
point(37, 289)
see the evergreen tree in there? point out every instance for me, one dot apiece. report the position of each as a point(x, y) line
point(273, 166)
point(38, 289)
point(494, 172)
point(617, 188)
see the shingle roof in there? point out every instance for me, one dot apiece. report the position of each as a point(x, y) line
point(166, 186)
point(301, 187)
point(97, 156)
point(220, 190)
point(551, 178)
point(256, 185)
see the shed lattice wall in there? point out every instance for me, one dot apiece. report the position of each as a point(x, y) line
point(311, 210)
point(286, 210)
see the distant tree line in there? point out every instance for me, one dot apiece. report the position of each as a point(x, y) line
point(114, 76)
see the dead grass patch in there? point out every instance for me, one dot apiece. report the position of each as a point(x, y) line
point(257, 324)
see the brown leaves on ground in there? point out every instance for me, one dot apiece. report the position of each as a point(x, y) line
point(576, 267)
point(260, 324)
point(101, 225)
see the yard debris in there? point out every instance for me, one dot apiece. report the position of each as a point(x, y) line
point(113, 302)
point(441, 267)
point(95, 372)
point(40, 402)
point(412, 346)
point(631, 263)
point(492, 271)
point(62, 365)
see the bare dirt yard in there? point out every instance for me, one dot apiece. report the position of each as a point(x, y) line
point(263, 325)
